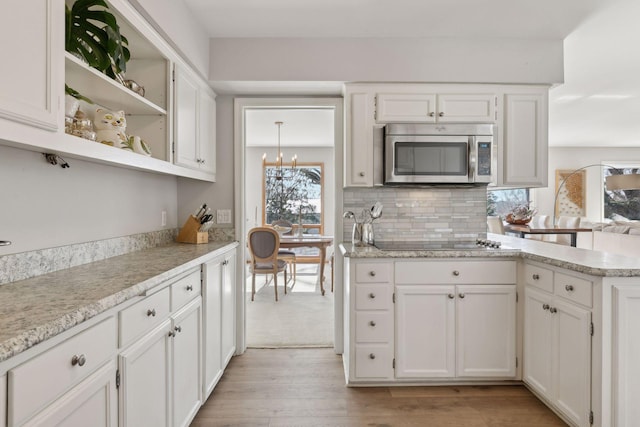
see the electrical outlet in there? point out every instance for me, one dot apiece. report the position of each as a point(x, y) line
point(223, 216)
point(163, 221)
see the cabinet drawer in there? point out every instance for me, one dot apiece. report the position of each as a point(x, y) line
point(455, 272)
point(374, 326)
point(373, 297)
point(185, 289)
point(539, 277)
point(573, 288)
point(373, 272)
point(42, 379)
point(143, 316)
point(374, 361)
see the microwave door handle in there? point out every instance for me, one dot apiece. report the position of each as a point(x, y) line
point(472, 159)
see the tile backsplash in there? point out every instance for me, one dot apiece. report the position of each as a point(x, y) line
point(421, 214)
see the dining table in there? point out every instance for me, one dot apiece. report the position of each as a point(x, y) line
point(310, 241)
point(523, 230)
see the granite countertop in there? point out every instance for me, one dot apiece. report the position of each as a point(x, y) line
point(585, 261)
point(39, 308)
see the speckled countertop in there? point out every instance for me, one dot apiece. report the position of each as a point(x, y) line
point(582, 260)
point(36, 309)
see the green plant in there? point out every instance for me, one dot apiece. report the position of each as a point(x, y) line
point(77, 95)
point(93, 34)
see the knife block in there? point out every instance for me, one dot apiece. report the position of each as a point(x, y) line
point(189, 232)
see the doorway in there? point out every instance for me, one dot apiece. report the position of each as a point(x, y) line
point(310, 129)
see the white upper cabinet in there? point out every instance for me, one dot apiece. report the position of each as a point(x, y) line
point(33, 39)
point(358, 151)
point(194, 140)
point(523, 160)
point(436, 108)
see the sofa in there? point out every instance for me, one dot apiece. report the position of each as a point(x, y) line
point(619, 237)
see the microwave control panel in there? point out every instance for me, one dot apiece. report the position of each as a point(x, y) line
point(484, 159)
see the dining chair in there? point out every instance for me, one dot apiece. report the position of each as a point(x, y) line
point(495, 225)
point(541, 221)
point(287, 255)
point(264, 243)
point(565, 222)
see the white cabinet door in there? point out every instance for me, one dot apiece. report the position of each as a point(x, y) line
point(425, 331)
point(187, 364)
point(538, 354)
point(358, 147)
point(33, 60)
point(486, 331)
point(406, 107)
point(228, 337)
point(467, 108)
point(3, 401)
point(525, 140)
point(626, 354)
point(212, 307)
point(572, 360)
point(145, 379)
point(207, 131)
point(93, 403)
point(186, 119)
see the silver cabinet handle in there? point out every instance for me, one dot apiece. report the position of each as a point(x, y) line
point(178, 329)
point(441, 113)
point(536, 277)
point(172, 334)
point(372, 323)
point(78, 360)
point(151, 312)
point(372, 273)
point(451, 296)
point(189, 287)
point(461, 296)
point(569, 288)
point(545, 306)
point(361, 174)
point(431, 114)
point(372, 356)
point(372, 295)
point(553, 310)
point(4, 243)
point(456, 273)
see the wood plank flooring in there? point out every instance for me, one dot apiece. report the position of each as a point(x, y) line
point(305, 387)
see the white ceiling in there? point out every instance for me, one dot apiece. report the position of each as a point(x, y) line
point(301, 127)
point(598, 105)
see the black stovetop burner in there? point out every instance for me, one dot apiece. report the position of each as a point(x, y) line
point(480, 244)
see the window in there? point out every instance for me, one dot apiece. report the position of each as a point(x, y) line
point(621, 204)
point(500, 202)
point(294, 194)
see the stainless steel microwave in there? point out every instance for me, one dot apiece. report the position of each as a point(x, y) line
point(439, 153)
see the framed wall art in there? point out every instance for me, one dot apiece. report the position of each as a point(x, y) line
point(572, 195)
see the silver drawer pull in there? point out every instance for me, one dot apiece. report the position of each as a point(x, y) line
point(189, 287)
point(172, 334)
point(461, 296)
point(553, 310)
point(456, 273)
point(372, 356)
point(151, 312)
point(372, 295)
point(78, 360)
point(536, 277)
point(372, 273)
point(361, 174)
point(569, 288)
point(372, 323)
point(545, 306)
point(451, 296)
point(431, 114)
point(178, 328)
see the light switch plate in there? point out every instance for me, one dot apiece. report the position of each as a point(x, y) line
point(223, 216)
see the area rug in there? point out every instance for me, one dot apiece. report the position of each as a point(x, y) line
point(301, 318)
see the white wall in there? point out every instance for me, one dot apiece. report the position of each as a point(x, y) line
point(253, 195)
point(44, 206)
point(219, 195)
point(573, 158)
point(386, 59)
point(174, 21)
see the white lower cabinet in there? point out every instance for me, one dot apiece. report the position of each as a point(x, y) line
point(455, 331)
point(228, 327)
point(557, 346)
point(3, 401)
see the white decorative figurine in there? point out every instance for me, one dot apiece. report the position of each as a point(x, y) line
point(110, 127)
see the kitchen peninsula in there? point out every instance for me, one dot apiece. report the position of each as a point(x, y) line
point(560, 319)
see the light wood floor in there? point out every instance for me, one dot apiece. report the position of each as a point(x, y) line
point(305, 387)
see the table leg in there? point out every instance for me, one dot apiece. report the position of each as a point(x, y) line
point(574, 239)
point(323, 256)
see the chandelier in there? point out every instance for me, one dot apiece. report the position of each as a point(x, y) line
point(278, 163)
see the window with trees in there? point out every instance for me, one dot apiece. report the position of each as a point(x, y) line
point(294, 194)
point(501, 202)
point(621, 204)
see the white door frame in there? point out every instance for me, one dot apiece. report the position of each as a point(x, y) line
point(239, 108)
